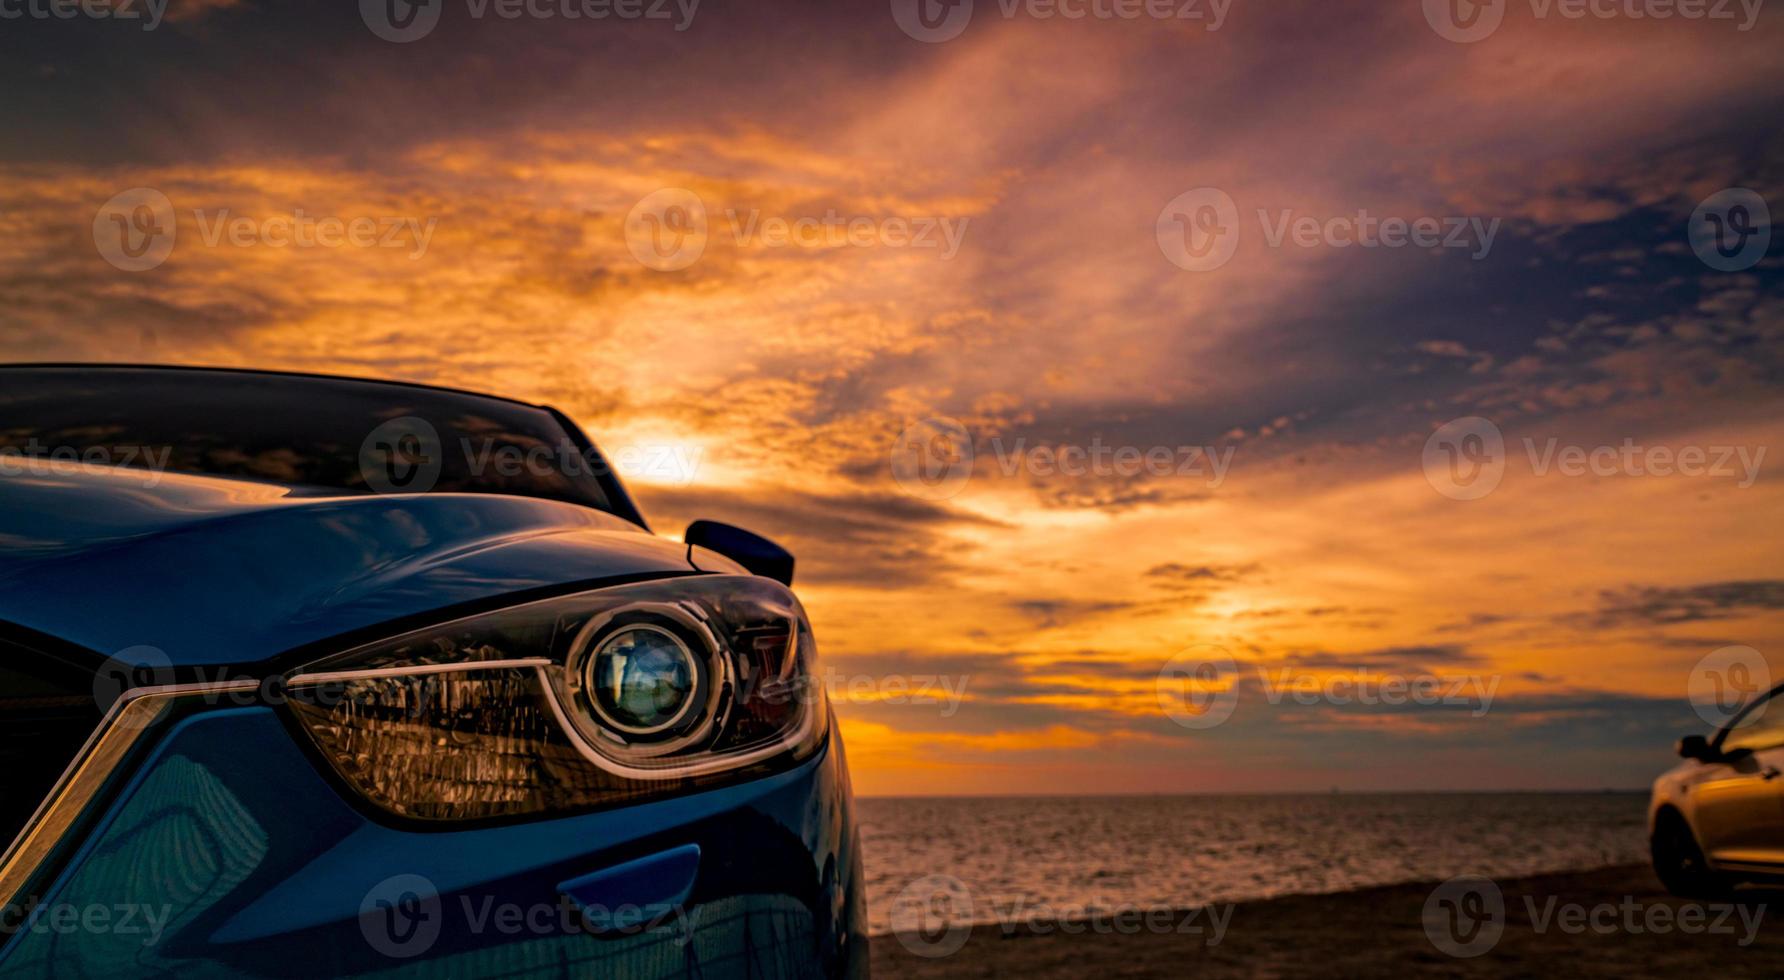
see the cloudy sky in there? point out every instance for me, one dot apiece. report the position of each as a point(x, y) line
point(1062, 351)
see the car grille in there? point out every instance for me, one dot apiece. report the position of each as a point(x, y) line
point(47, 711)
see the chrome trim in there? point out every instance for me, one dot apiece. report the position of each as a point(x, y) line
point(410, 670)
point(699, 768)
point(589, 659)
point(715, 677)
point(133, 714)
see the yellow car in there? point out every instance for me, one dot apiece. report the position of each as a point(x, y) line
point(1717, 818)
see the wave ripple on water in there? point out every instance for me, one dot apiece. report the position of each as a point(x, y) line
point(1104, 853)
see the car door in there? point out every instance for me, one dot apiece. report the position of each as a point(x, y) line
point(1739, 801)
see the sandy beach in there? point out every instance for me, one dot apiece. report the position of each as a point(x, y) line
point(1613, 922)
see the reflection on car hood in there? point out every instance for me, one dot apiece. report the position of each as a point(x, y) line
point(214, 571)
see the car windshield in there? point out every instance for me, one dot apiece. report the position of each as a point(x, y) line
point(335, 434)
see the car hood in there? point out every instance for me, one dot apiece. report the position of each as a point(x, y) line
point(215, 571)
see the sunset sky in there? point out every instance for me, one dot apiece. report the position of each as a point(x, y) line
point(786, 372)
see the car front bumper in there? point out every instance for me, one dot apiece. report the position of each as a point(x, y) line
point(225, 852)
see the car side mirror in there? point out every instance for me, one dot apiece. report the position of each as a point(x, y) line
point(753, 551)
point(1696, 747)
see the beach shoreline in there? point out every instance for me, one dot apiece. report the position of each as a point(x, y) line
point(1613, 921)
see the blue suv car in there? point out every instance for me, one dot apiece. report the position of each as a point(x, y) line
point(308, 676)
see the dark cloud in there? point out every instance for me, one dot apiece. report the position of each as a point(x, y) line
point(1409, 660)
point(1473, 622)
point(1051, 613)
point(1181, 577)
point(1665, 606)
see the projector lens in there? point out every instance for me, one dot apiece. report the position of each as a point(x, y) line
point(641, 680)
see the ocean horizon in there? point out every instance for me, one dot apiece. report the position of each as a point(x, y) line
point(1011, 856)
point(1643, 791)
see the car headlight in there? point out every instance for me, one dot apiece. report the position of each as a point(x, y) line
point(641, 680)
point(606, 697)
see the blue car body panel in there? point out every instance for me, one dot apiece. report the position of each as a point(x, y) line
point(254, 863)
point(212, 572)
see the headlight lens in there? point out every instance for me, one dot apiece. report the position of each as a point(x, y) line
point(641, 680)
point(601, 698)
